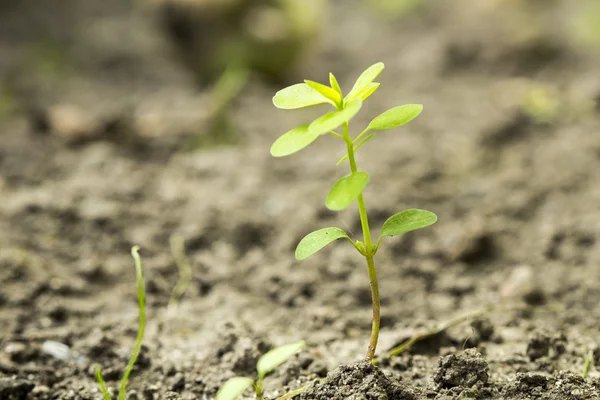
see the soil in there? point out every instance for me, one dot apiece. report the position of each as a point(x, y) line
point(506, 153)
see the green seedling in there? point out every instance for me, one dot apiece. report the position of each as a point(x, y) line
point(177, 243)
point(589, 358)
point(236, 386)
point(349, 188)
point(142, 326)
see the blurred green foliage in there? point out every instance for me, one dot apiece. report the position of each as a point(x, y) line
point(49, 60)
point(264, 36)
point(9, 103)
point(542, 103)
point(397, 8)
point(587, 22)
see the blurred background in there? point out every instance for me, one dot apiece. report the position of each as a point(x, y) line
point(172, 67)
point(125, 122)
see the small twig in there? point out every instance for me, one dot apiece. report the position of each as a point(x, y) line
point(296, 392)
point(293, 393)
point(444, 326)
point(454, 322)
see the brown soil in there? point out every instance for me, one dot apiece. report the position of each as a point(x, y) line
point(90, 164)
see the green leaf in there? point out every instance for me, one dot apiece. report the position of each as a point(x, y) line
point(369, 90)
point(298, 96)
point(406, 221)
point(346, 190)
point(357, 146)
point(364, 80)
point(315, 241)
point(332, 120)
point(277, 356)
point(326, 91)
point(334, 84)
point(233, 388)
point(395, 117)
point(293, 141)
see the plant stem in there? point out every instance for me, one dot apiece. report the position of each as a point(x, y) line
point(142, 321)
point(364, 221)
point(259, 389)
point(376, 308)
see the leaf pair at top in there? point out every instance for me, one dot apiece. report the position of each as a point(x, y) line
point(312, 93)
point(402, 222)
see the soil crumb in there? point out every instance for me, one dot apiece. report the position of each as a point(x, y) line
point(565, 386)
point(467, 369)
point(358, 381)
point(14, 389)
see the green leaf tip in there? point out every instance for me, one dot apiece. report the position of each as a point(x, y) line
point(296, 96)
point(406, 221)
point(315, 241)
point(293, 141)
point(332, 120)
point(325, 91)
point(277, 356)
point(233, 388)
point(363, 81)
point(395, 117)
point(334, 84)
point(369, 90)
point(346, 190)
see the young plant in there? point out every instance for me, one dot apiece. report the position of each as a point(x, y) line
point(177, 243)
point(349, 188)
point(234, 387)
point(142, 326)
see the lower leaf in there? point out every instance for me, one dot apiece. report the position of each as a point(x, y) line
point(233, 388)
point(315, 241)
point(406, 221)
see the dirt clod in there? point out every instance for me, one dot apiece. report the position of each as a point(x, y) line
point(542, 344)
point(358, 381)
point(467, 369)
point(565, 386)
point(239, 351)
point(538, 346)
point(14, 389)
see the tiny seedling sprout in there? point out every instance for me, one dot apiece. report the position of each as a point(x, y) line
point(141, 293)
point(177, 243)
point(589, 359)
point(236, 386)
point(349, 188)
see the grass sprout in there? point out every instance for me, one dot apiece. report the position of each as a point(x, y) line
point(141, 293)
point(177, 243)
point(589, 358)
